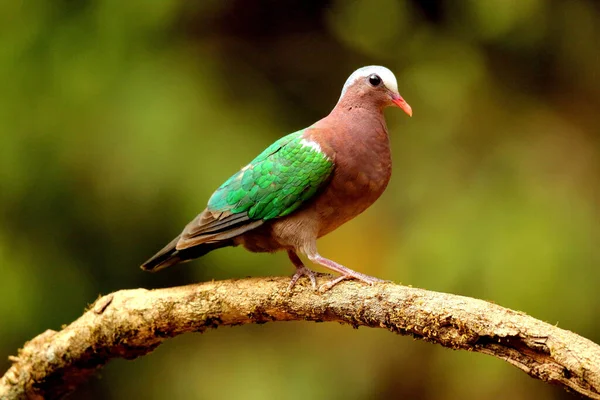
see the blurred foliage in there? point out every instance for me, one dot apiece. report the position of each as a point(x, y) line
point(119, 119)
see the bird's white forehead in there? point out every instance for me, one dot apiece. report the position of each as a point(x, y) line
point(387, 76)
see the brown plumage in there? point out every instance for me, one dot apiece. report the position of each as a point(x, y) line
point(354, 138)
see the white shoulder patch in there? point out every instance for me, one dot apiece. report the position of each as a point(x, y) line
point(387, 76)
point(313, 145)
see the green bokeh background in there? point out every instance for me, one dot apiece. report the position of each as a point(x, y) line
point(119, 119)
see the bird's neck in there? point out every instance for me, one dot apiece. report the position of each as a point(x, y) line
point(362, 122)
point(352, 103)
point(359, 133)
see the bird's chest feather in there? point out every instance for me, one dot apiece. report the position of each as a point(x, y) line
point(362, 171)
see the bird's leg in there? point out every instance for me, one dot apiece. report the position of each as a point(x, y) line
point(347, 273)
point(300, 270)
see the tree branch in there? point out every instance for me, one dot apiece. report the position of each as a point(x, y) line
point(131, 323)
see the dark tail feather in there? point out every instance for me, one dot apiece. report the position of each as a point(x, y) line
point(170, 256)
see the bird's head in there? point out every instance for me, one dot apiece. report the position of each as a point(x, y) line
point(376, 85)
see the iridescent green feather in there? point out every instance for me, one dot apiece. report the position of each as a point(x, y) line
point(276, 182)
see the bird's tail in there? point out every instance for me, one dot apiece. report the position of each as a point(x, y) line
point(169, 255)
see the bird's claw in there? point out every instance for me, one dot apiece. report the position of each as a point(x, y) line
point(303, 271)
point(370, 280)
point(328, 285)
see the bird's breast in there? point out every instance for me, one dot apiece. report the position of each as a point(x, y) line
point(362, 171)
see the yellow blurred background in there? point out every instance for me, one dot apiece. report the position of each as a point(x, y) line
point(118, 120)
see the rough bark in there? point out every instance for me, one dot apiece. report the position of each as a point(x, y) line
point(131, 323)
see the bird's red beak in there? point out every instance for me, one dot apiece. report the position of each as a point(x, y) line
point(400, 102)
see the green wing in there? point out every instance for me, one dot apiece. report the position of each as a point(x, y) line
point(276, 182)
point(273, 185)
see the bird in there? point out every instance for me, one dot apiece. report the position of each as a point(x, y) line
point(303, 186)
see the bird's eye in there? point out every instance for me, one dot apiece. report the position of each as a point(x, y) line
point(374, 80)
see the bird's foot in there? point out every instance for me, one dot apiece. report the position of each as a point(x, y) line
point(370, 280)
point(328, 285)
point(303, 271)
point(347, 273)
